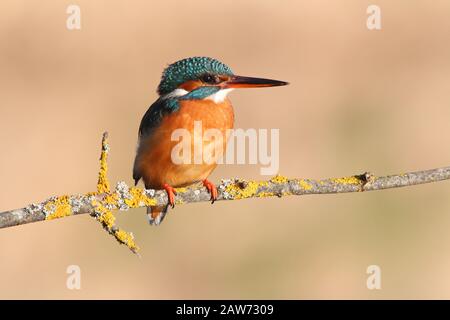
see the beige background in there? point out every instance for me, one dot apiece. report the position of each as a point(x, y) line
point(358, 100)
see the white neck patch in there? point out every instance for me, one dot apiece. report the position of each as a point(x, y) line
point(220, 95)
point(217, 97)
point(176, 93)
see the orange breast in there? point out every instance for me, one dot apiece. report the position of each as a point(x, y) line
point(156, 161)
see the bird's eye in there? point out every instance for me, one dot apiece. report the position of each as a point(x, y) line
point(209, 78)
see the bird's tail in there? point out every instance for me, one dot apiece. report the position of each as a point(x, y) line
point(156, 215)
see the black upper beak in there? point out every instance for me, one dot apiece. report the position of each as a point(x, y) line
point(249, 82)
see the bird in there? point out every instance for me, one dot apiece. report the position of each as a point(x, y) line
point(192, 90)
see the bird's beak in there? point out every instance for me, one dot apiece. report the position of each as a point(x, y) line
point(249, 82)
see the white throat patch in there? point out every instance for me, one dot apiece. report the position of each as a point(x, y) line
point(220, 95)
point(177, 93)
point(217, 97)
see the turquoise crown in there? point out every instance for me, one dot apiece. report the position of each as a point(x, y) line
point(190, 69)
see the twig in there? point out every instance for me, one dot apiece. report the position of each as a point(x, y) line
point(100, 203)
point(101, 211)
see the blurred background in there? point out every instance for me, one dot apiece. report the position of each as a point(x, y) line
point(359, 100)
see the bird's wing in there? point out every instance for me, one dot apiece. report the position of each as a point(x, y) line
point(151, 119)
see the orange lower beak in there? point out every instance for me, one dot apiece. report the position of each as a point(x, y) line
point(249, 82)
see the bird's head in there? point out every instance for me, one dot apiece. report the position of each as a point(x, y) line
point(203, 77)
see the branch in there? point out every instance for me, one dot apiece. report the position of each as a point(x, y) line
point(99, 204)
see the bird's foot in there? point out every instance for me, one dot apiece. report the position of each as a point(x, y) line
point(171, 193)
point(211, 189)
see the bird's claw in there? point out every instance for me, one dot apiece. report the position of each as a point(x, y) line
point(211, 189)
point(171, 193)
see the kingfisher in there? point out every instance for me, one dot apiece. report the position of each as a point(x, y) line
point(192, 92)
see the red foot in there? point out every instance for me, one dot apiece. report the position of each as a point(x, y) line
point(170, 194)
point(211, 189)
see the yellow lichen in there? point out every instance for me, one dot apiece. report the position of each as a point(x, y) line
point(107, 219)
point(102, 201)
point(265, 194)
point(104, 215)
point(138, 198)
point(103, 183)
point(127, 239)
point(347, 180)
point(242, 190)
point(181, 190)
point(111, 199)
point(90, 194)
point(58, 208)
point(279, 179)
point(304, 184)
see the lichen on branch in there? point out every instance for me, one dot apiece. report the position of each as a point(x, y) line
point(102, 209)
point(103, 201)
point(103, 182)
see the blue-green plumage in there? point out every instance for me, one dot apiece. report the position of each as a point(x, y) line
point(184, 84)
point(167, 105)
point(173, 76)
point(200, 93)
point(189, 69)
point(195, 68)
